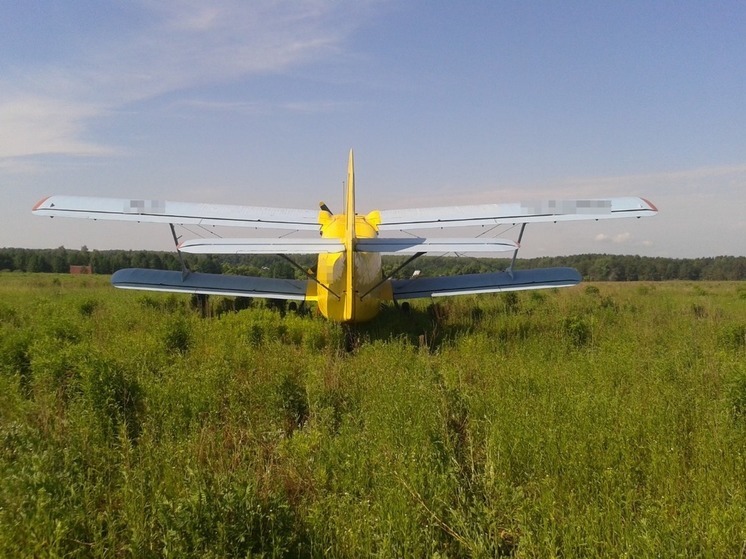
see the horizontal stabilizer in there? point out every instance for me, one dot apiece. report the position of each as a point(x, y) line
point(469, 284)
point(209, 284)
point(179, 213)
point(414, 245)
point(518, 212)
point(262, 246)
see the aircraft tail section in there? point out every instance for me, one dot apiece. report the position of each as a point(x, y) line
point(349, 307)
point(350, 197)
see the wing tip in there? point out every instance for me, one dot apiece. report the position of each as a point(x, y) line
point(651, 206)
point(40, 203)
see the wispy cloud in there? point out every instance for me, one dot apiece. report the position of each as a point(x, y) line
point(264, 107)
point(620, 238)
point(47, 126)
point(188, 44)
point(676, 182)
point(182, 44)
point(680, 186)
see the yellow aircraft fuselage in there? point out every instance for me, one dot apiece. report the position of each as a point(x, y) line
point(346, 289)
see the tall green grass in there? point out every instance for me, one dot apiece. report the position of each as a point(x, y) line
point(604, 420)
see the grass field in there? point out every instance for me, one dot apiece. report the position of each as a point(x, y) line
point(607, 420)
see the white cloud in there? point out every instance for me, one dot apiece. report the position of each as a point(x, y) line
point(34, 126)
point(663, 189)
point(183, 44)
point(674, 182)
point(188, 44)
point(618, 239)
point(263, 108)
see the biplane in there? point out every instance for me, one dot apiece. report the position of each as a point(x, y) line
point(348, 283)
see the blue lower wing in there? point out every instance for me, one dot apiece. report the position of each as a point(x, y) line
point(209, 284)
point(467, 284)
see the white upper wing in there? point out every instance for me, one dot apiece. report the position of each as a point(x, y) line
point(284, 245)
point(518, 212)
point(160, 211)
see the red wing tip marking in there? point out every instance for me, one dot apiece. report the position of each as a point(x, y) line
point(649, 203)
point(40, 203)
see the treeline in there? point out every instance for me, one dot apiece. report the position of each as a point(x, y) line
point(593, 267)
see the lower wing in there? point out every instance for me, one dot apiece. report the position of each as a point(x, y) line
point(468, 284)
point(210, 284)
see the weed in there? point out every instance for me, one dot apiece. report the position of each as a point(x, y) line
point(8, 315)
point(62, 329)
point(537, 297)
point(609, 303)
point(149, 302)
point(699, 311)
point(16, 440)
point(15, 358)
point(291, 396)
point(234, 304)
point(733, 337)
point(256, 435)
point(255, 334)
point(511, 302)
point(173, 302)
point(87, 307)
point(115, 397)
point(576, 330)
point(59, 371)
point(178, 336)
point(477, 314)
point(14, 353)
point(737, 395)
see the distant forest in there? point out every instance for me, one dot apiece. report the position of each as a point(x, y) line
point(593, 267)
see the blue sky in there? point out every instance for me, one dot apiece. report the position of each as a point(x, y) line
point(258, 102)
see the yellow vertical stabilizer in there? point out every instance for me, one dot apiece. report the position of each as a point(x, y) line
point(349, 241)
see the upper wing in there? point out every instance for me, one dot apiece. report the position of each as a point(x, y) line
point(412, 245)
point(160, 211)
point(518, 212)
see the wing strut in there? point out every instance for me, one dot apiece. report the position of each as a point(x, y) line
point(391, 275)
point(308, 274)
point(185, 271)
point(515, 253)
